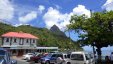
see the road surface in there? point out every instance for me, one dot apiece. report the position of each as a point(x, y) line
point(20, 61)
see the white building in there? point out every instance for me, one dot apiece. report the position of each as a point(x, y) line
point(19, 43)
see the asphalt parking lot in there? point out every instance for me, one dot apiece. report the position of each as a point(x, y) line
point(20, 61)
point(24, 62)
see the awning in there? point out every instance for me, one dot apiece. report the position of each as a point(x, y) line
point(23, 47)
point(47, 47)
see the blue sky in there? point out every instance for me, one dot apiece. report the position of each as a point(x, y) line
point(46, 13)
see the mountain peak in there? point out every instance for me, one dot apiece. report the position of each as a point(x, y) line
point(57, 31)
point(54, 28)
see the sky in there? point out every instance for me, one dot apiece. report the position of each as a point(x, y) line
point(46, 13)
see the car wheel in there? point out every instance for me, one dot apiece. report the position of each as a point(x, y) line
point(47, 62)
point(27, 60)
point(36, 61)
point(68, 63)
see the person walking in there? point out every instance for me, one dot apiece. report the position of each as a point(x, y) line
point(111, 58)
point(107, 60)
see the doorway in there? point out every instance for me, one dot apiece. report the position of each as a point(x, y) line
point(20, 52)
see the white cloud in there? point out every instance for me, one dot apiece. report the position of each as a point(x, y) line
point(41, 8)
point(30, 16)
point(16, 25)
point(54, 16)
point(27, 18)
point(80, 9)
point(6, 10)
point(108, 5)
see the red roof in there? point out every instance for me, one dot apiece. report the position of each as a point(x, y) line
point(19, 35)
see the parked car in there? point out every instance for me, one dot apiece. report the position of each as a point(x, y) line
point(28, 55)
point(36, 58)
point(80, 58)
point(52, 58)
point(63, 59)
point(5, 57)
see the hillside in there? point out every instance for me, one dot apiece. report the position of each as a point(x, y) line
point(46, 37)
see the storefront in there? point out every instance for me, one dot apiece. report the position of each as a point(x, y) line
point(19, 51)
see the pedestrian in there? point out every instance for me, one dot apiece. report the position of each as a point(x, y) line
point(111, 57)
point(107, 60)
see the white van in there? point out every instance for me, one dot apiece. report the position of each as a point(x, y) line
point(80, 57)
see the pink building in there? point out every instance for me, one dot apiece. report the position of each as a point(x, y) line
point(19, 43)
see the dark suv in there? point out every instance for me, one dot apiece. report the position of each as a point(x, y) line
point(5, 57)
point(51, 58)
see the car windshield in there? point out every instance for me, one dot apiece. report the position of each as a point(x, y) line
point(49, 55)
point(2, 52)
point(77, 57)
point(30, 54)
point(37, 55)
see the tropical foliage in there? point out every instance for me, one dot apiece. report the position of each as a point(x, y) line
point(96, 30)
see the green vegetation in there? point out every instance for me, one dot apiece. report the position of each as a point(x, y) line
point(46, 37)
point(98, 29)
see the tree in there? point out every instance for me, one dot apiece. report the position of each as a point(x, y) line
point(96, 30)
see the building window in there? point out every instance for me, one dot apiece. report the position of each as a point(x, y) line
point(15, 40)
point(33, 41)
point(21, 41)
point(27, 41)
point(7, 39)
